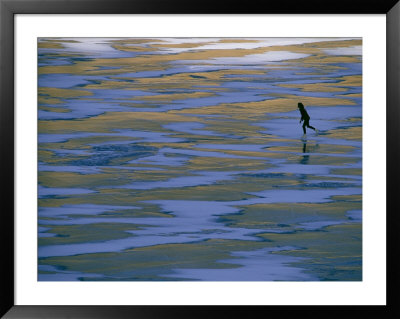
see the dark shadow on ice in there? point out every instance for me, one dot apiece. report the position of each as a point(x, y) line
point(305, 158)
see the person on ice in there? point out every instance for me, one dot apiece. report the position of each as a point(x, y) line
point(306, 118)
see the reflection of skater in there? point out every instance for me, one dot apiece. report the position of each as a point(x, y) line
point(305, 157)
point(305, 117)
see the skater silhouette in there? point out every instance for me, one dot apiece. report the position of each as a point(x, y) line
point(305, 117)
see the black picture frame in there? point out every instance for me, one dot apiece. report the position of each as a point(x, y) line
point(9, 8)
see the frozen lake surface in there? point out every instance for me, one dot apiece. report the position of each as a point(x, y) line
point(184, 159)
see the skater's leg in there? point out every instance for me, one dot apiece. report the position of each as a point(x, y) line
point(312, 127)
point(304, 127)
point(307, 123)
